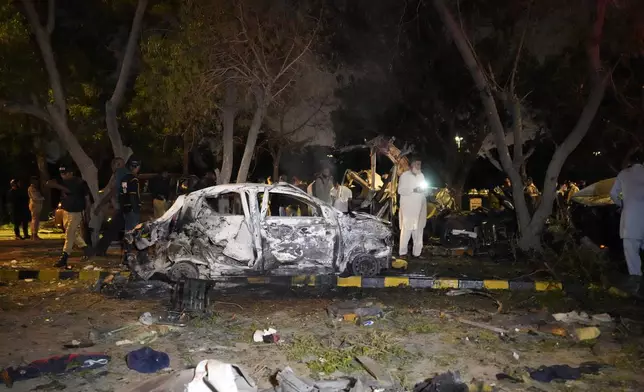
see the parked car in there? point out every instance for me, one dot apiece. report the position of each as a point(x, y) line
point(255, 229)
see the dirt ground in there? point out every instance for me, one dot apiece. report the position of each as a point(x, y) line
point(416, 339)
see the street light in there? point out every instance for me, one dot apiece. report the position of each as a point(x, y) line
point(458, 140)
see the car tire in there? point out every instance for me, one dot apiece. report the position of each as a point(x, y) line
point(183, 270)
point(365, 265)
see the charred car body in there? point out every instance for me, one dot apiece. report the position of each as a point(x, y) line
point(257, 229)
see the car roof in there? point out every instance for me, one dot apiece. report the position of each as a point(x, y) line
point(213, 190)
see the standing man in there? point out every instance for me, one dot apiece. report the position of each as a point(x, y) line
point(322, 185)
point(75, 201)
point(532, 194)
point(413, 209)
point(340, 196)
point(160, 189)
point(36, 201)
point(18, 206)
point(130, 196)
point(628, 194)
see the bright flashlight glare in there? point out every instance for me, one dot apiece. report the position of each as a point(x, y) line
point(424, 185)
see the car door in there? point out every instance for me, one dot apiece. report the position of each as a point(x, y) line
point(300, 237)
point(224, 220)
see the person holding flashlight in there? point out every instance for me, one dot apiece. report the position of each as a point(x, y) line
point(413, 209)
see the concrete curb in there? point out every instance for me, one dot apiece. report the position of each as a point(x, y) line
point(56, 274)
point(307, 280)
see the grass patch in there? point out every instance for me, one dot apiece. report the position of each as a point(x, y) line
point(332, 354)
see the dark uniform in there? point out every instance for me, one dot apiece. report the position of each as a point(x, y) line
point(18, 201)
point(130, 201)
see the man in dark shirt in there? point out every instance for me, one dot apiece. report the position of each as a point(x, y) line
point(160, 189)
point(75, 201)
point(130, 196)
point(18, 202)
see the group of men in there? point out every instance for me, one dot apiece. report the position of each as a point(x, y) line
point(76, 202)
point(24, 207)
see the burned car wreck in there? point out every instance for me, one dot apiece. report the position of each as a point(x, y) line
point(257, 229)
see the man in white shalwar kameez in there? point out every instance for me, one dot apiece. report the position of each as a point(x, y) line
point(628, 193)
point(413, 209)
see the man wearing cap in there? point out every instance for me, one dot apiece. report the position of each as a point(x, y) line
point(75, 201)
point(129, 195)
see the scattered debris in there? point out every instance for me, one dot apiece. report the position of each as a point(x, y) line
point(368, 323)
point(213, 375)
point(356, 308)
point(554, 330)
point(582, 318)
point(399, 264)
point(446, 382)
point(55, 385)
point(147, 319)
point(587, 333)
point(475, 324)
point(564, 372)
point(457, 292)
point(147, 360)
point(79, 344)
point(375, 370)
point(266, 336)
point(54, 365)
point(515, 355)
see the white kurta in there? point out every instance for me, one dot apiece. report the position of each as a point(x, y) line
point(340, 197)
point(628, 193)
point(413, 211)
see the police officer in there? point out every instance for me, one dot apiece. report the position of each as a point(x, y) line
point(130, 196)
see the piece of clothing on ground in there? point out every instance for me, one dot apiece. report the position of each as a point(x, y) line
point(73, 234)
point(55, 365)
point(147, 360)
point(564, 372)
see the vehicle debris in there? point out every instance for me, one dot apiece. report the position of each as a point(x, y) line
point(147, 360)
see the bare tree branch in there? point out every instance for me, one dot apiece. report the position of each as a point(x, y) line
point(30, 109)
point(44, 43)
point(51, 16)
point(114, 103)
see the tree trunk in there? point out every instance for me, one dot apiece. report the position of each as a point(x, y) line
point(277, 156)
point(251, 141)
point(186, 153)
point(530, 227)
point(114, 103)
point(228, 114)
point(43, 175)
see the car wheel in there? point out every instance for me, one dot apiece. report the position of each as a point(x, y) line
point(183, 270)
point(365, 265)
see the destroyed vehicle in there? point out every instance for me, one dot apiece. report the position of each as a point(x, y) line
point(255, 229)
